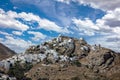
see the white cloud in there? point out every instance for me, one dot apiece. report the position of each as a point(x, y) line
point(111, 42)
point(17, 33)
point(108, 26)
point(101, 4)
point(86, 26)
point(48, 25)
point(37, 35)
point(50, 8)
point(43, 23)
point(1, 39)
point(109, 23)
point(10, 20)
point(28, 16)
point(5, 33)
point(87, 23)
point(64, 1)
point(17, 44)
point(7, 20)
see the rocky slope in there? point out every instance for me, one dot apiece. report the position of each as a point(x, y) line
point(5, 52)
point(68, 58)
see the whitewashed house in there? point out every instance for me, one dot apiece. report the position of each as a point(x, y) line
point(6, 65)
point(84, 48)
point(81, 39)
point(70, 43)
point(54, 54)
point(28, 58)
point(41, 56)
point(63, 43)
point(63, 58)
point(59, 39)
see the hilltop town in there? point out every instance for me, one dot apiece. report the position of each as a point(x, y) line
point(65, 58)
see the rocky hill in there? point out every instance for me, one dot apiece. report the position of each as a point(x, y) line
point(63, 58)
point(67, 58)
point(5, 52)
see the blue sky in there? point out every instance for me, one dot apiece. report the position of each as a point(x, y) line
point(27, 22)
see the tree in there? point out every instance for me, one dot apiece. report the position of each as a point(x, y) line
point(27, 66)
point(77, 63)
point(16, 71)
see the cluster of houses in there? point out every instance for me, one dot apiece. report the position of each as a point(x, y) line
point(6, 77)
point(48, 54)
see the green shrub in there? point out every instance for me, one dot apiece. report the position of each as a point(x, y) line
point(27, 66)
point(77, 63)
point(18, 70)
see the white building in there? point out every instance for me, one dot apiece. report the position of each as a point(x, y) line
point(64, 58)
point(59, 39)
point(84, 48)
point(81, 39)
point(41, 56)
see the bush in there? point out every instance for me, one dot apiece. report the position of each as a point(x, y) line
point(27, 66)
point(77, 63)
point(18, 70)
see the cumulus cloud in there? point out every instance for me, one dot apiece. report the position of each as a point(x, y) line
point(50, 8)
point(64, 1)
point(113, 39)
point(17, 33)
point(37, 35)
point(5, 33)
point(43, 23)
point(86, 26)
point(1, 39)
point(87, 23)
point(17, 44)
point(7, 20)
point(108, 27)
point(111, 42)
point(108, 24)
point(101, 4)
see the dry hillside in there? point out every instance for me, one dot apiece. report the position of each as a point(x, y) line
point(84, 61)
point(5, 52)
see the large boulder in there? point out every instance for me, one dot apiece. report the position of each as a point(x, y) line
point(99, 60)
